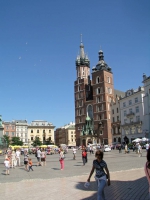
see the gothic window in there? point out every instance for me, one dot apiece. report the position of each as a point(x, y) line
point(98, 90)
point(109, 90)
point(90, 111)
point(97, 80)
point(108, 79)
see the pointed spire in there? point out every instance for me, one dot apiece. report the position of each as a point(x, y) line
point(82, 55)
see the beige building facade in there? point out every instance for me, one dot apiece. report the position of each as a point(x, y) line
point(66, 135)
point(43, 130)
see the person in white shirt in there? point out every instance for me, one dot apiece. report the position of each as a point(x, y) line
point(18, 157)
point(13, 159)
point(74, 153)
point(147, 146)
point(7, 165)
point(43, 158)
point(38, 157)
point(139, 150)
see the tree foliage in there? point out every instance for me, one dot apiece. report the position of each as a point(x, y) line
point(36, 142)
point(6, 139)
point(16, 141)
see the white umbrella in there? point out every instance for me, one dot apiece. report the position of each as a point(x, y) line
point(137, 140)
point(144, 139)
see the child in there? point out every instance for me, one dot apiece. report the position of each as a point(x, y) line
point(30, 164)
point(7, 165)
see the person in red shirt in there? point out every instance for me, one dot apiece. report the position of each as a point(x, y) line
point(84, 156)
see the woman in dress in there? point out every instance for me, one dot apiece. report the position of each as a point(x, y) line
point(101, 177)
point(61, 159)
point(147, 169)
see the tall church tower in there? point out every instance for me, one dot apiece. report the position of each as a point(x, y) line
point(103, 93)
point(82, 90)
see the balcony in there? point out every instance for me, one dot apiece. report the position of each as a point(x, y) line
point(132, 123)
point(130, 115)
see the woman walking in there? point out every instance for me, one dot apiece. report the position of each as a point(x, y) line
point(84, 156)
point(147, 169)
point(101, 177)
point(61, 159)
point(43, 158)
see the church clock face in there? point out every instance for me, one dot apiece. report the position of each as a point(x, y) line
point(90, 111)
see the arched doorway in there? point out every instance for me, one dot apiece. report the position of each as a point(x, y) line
point(89, 141)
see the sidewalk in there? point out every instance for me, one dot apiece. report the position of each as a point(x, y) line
point(125, 185)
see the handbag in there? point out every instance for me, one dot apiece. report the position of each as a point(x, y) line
point(104, 171)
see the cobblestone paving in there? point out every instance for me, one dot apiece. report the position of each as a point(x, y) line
point(51, 183)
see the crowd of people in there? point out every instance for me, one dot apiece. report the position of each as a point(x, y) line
point(102, 175)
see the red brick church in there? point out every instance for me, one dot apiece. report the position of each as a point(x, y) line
point(93, 94)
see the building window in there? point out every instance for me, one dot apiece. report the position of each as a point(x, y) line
point(97, 80)
point(43, 131)
point(7, 133)
point(125, 121)
point(125, 113)
point(130, 110)
point(31, 138)
point(25, 134)
point(130, 102)
point(108, 79)
point(37, 131)
point(113, 119)
point(124, 104)
point(31, 131)
point(72, 140)
point(21, 134)
point(13, 127)
point(7, 127)
point(109, 90)
point(137, 109)
point(137, 118)
point(98, 91)
point(117, 110)
point(112, 111)
point(13, 134)
point(49, 131)
point(117, 118)
point(136, 99)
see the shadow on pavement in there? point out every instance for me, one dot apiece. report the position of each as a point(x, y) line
point(55, 168)
point(118, 190)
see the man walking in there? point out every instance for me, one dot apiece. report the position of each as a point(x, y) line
point(38, 157)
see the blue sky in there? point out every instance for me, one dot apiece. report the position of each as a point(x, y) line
point(39, 42)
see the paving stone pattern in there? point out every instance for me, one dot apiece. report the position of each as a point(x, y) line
point(128, 181)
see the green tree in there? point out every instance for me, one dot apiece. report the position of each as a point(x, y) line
point(16, 141)
point(6, 140)
point(36, 142)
